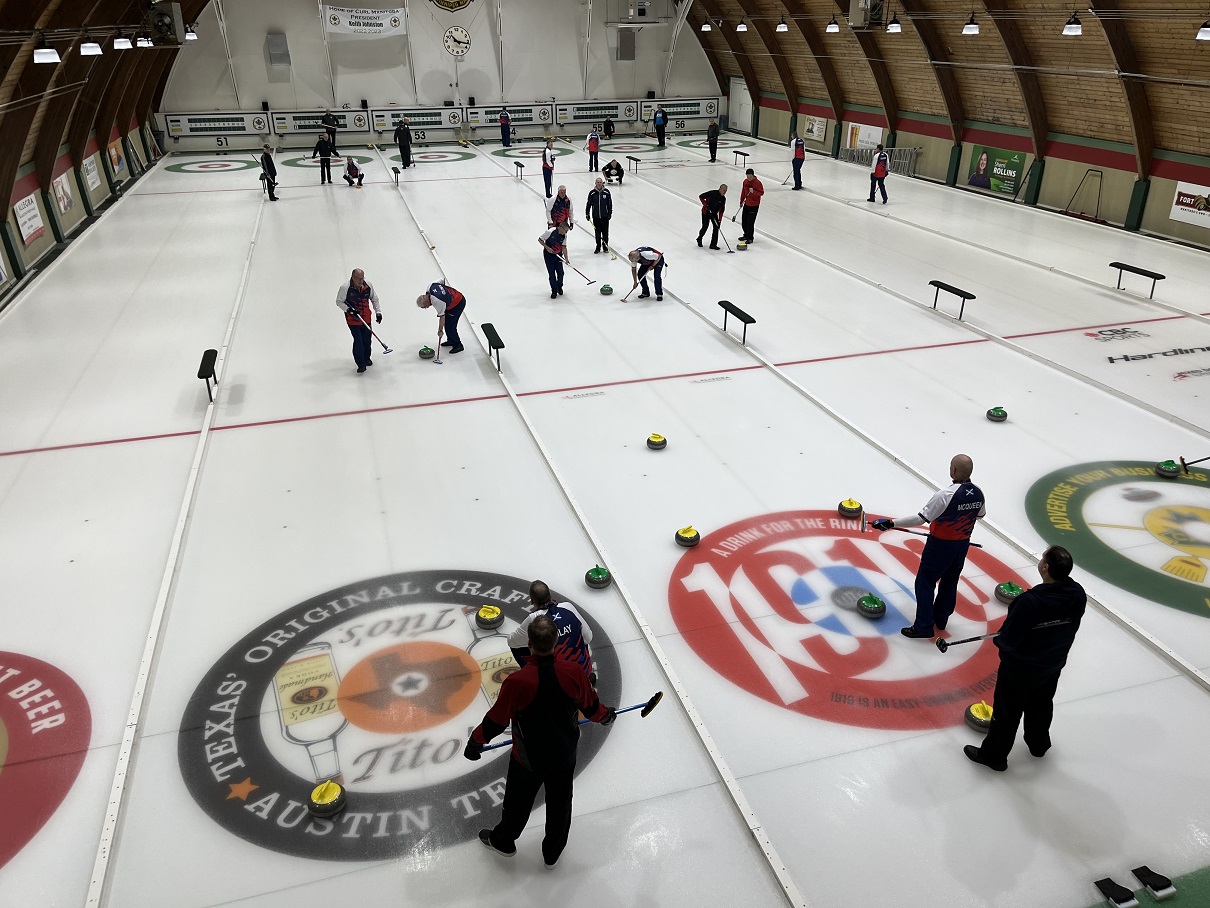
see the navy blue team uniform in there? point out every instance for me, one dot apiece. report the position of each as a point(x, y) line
point(553, 246)
point(575, 635)
point(451, 303)
point(951, 515)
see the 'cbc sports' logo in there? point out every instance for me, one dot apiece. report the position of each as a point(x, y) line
point(378, 685)
point(770, 604)
point(1112, 334)
point(1143, 533)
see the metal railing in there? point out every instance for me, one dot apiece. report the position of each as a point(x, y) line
point(903, 160)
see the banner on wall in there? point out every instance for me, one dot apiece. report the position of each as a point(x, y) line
point(862, 136)
point(815, 129)
point(116, 162)
point(29, 218)
point(63, 197)
point(995, 169)
point(372, 22)
point(91, 177)
point(1191, 205)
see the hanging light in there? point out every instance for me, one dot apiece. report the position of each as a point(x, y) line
point(893, 27)
point(143, 41)
point(833, 27)
point(706, 26)
point(1203, 33)
point(781, 26)
point(44, 53)
point(89, 47)
point(742, 27)
point(190, 32)
point(1073, 26)
point(971, 27)
point(121, 42)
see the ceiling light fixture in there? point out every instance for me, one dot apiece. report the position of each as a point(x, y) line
point(121, 42)
point(90, 48)
point(742, 27)
point(1073, 26)
point(143, 41)
point(893, 27)
point(971, 27)
point(1203, 33)
point(833, 27)
point(44, 53)
point(706, 26)
point(190, 32)
point(781, 26)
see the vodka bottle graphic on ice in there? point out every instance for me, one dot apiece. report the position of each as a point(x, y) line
point(306, 689)
point(490, 649)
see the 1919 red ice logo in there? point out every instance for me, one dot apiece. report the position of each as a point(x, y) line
point(770, 604)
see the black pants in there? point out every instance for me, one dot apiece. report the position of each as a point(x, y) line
point(880, 182)
point(657, 272)
point(713, 150)
point(521, 788)
point(405, 156)
point(1020, 692)
point(798, 173)
point(361, 344)
point(709, 220)
point(325, 170)
point(554, 271)
point(748, 219)
point(350, 180)
point(937, 579)
point(548, 175)
point(451, 325)
point(270, 185)
point(600, 227)
point(506, 138)
point(331, 134)
point(592, 162)
point(659, 135)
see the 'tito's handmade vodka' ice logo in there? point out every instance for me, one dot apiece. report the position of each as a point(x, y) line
point(377, 686)
point(770, 604)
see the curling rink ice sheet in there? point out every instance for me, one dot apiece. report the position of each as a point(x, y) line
point(340, 531)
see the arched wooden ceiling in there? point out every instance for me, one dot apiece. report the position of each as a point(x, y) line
point(1136, 76)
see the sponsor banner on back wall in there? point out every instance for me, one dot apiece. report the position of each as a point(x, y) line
point(1191, 204)
point(996, 169)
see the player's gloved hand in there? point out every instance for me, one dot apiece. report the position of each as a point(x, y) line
point(350, 311)
point(610, 715)
point(473, 750)
point(378, 318)
point(883, 523)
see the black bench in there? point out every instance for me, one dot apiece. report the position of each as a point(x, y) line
point(1134, 269)
point(395, 170)
point(205, 371)
point(729, 308)
point(740, 154)
point(493, 341)
point(520, 170)
point(632, 161)
point(964, 295)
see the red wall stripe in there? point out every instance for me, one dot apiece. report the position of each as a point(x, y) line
point(814, 110)
point(774, 103)
point(1179, 170)
point(1084, 154)
point(23, 187)
point(868, 119)
point(1005, 140)
point(925, 128)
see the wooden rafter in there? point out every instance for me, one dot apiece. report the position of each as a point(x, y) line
point(1027, 80)
point(768, 38)
point(938, 57)
point(696, 21)
point(1126, 61)
point(827, 72)
point(878, 69)
point(737, 51)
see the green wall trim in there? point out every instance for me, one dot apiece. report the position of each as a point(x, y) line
point(773, 94)
point(994, 127)
point(1103, 144)
point(63, 149)
point(25, 169)
point(818, 102)
point(865, 108)
point(924, 118)
point(1183, 157)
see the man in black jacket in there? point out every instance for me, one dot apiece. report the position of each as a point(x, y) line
point(330, 125)
point(268, 172)
point(1034, 642)
point(599, 210)
point(541, 700)
point(403, 138)
point(712, 139)
point(714, 203)
point(325, 151)
point(612, 172)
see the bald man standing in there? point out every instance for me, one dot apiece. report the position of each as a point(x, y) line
point(951, 514)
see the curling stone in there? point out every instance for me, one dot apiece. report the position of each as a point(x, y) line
point(741, 246)
point(598, 577)
point(871, 606)
point(657, 442)
point(850, 508)
point(979, 716)
point(1007, 591)
point(1167, 469)
point(427, 352)
point(997, 414)
point(687, 537)
point(606, 289)
point(327, 799)
point(489, 617)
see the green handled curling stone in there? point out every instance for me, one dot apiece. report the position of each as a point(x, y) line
point(327, 799)
point(979, 716)
point(657, 442)
point(606, 289)
point(687, 537)
point(489, 617)
point(1167, 469)
point(850, 508)
point(427, 352)
point(598, 577)
point(1007, 591)
point(997, 414)
point(871, 606)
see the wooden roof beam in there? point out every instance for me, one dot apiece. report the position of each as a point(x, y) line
point(737, 51)
point(1126, 61)
point(827, 72)
point(878, 69)
point(1027, 80)
point(711, 57)
point(947, 83)
point(768, 38)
